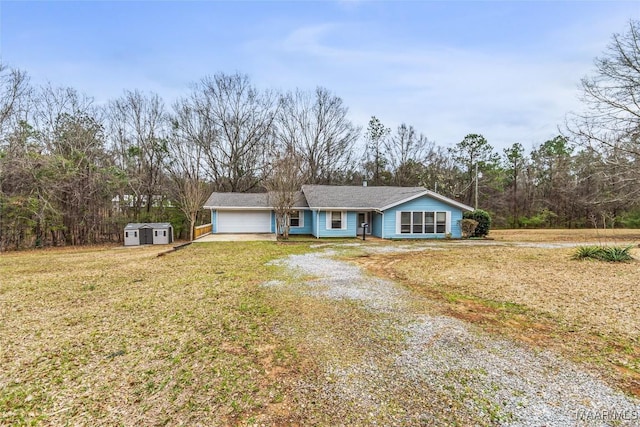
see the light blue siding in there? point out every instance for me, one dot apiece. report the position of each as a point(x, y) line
point(350, 231)
point(314, 215)
point(307, 224)
point(382, 224)
point(273, 222)
point(425, 204)
point(376, 224)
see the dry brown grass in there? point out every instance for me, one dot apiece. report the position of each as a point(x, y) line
point(585, 309)
point(565, 235)
point(121, 337)
point(113, 336)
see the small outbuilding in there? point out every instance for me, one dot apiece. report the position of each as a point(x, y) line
point(148, 233)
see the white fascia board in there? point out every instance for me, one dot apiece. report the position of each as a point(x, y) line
point(250, 208)
point(352, 209)
point(239, 208)
point(433, 196)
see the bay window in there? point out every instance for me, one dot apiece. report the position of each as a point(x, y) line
point(419, 222)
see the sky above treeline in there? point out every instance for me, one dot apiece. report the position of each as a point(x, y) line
point(508, 70)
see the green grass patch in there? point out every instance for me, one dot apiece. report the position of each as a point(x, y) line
point(604, 253)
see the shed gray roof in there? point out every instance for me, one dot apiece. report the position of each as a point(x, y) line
point(138, 225)
point(248, 200)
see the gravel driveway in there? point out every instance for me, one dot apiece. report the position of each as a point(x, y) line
point(440, 370)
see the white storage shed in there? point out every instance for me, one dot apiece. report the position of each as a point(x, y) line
point(148, 233)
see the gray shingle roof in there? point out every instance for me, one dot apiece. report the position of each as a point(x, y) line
point(237, 200)
point(138, 225)
point(331, 197)
point(248, 200)
point(358, 197)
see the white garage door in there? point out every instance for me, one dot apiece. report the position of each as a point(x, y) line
point(244, 222)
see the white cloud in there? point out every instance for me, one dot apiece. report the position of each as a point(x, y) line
point(444, 92)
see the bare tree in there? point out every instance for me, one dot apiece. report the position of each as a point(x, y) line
point(283, 185)
point(374, 159)
point(316, 127)
point(14, 94)
point(77, 178)
point(186, 163)
point(406, 152)
point(441, 173)
point(138, 129)
point(610, 121)
point(241, 129)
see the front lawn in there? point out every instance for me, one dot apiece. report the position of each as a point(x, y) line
point(117, 336)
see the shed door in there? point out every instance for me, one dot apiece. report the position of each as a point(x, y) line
point(146, 236)
point(244, 222)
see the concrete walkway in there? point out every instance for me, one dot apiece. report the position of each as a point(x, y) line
point(232, 237)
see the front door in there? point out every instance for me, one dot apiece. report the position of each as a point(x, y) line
point(362, 218)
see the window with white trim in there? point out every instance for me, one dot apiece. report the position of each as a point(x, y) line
point(336, 220)
point(418, 222)
point(405, 222)
point(429, 222)
point(296, 219)
point(441, 222)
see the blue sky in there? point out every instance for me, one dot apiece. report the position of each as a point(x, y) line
point(507, 70)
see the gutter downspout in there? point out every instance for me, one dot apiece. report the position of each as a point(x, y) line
point(317, 224)
point(382, 231)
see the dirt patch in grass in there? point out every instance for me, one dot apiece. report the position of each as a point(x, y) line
point(107, 336)
point(587, 310)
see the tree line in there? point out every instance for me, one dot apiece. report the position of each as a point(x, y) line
point(73, 172)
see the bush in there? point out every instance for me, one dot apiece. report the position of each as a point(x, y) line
point(616, 254)
point(544, 218)
point(584, 252)
point(484, 222)
point(468, 227)
point(604, 253)
point(630, 219)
